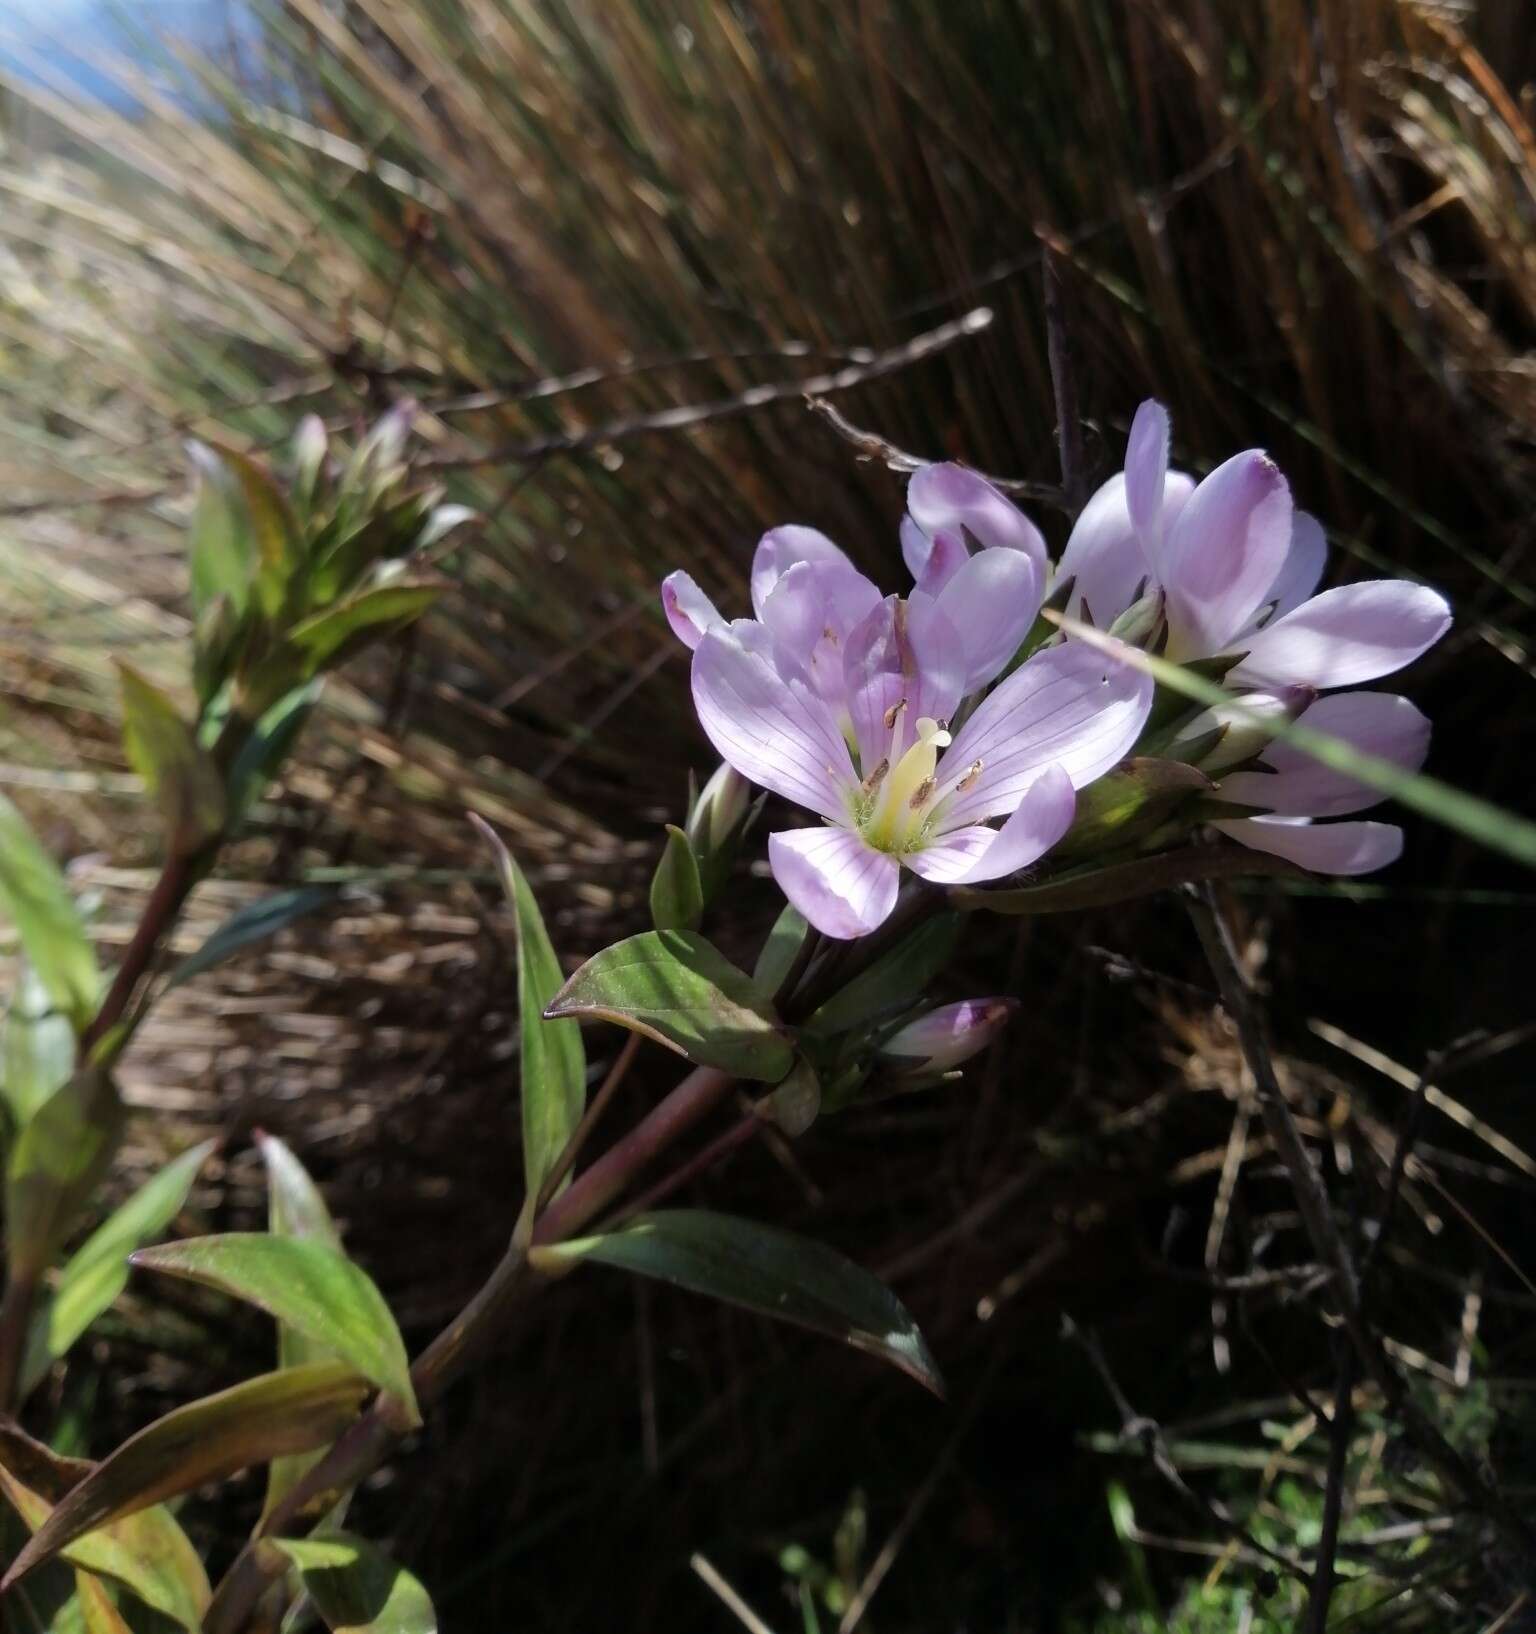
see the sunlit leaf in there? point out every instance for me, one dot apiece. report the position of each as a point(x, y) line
point(97, 1272)
point(34, 897)
point(308, 1285)
point(793, 1279)
point(243, 534)
point(554, 1062)
point(147, 1553)
point(1129, 804)
point(777, 956)
point(357, 1588)
point(37, 1054)
point(334, 635)
point(675, 987)
point(55, 1164)
point(180, 775)
point(206, 1440)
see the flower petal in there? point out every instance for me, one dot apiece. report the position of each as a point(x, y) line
point(780, 548)
point(1354, 633)
point(993, 600)
point(841, 885)
point(949, 496)
point(901, 650)
point(971, 856)
point(767, 722)
point(1325, 848)
point(1146, 466)
point(1378, 723)
point(689, 611)
point(1070, 706)
point(1105, 558)
point(1224, 552)
point(811, 610)
point(1302, 569)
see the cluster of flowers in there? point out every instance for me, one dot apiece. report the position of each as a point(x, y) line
point(873, 711)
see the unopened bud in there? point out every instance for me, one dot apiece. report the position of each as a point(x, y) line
point(719, 811)
point(1238, 731)
point(1141, 622)
point(945, 1037)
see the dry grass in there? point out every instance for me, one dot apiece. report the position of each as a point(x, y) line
point(1312, 227)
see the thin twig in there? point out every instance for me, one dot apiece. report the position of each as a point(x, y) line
point(889, 361)
point(1069, 425)
point(728, 1597)
point(1340, 1426)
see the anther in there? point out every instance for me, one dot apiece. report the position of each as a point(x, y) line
point(893, 714)
point(876, 777)
point(921, 793)
point(969, 780)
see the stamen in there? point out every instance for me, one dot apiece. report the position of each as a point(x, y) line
point(893, 714)
point(969, 780)
point(921, 792)
point(876, 777)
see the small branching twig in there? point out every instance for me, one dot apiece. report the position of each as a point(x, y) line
point(1069, 425)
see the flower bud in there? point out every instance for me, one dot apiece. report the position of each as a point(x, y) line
point(945, 1037)
point(719, 811)
point(1142, 622)
point(1231, 731)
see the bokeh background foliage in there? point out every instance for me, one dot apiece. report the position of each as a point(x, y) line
point(553, 226)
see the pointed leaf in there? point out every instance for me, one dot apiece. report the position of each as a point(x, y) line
point(357, 1588)
point(97, 1611)
point(306, 1284)
point(243, 533)
point(794, 1279)
point(97, 1272)
point(777, 957)
point(675, 987)
point(893, 982)
point(204, 1441)
point(1125, 881)
point(181, 776)
point(147, 1553)
point(264, 751)
point(34, 897)
point(677, 897)
point(295, 1209)
point(251, 924)
point(554, 1061)
point(55, 1164)
point(334, 635)
point(1129, 803)
point(38, 1052)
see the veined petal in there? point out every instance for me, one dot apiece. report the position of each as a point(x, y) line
point(951, 496)
point(971, 856)
point(767, 723)
point(1146, 467)
point(1354, 633)
point(932, 562)
point(689, 611)
point(1325, 848)
point(1378, 723)
point(810, 611)
point(1302, 570)
point(778, 551)
point(992, 599)
point(1069, 706)
point(1104, 556)
point(843, 887)
point(901, 650)
point(1224, 552)
point(916, 548)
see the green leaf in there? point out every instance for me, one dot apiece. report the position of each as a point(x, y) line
point(357, 1588)
point(795, 1104)
point(794, 1279)
point(53, 1168)
point(35, 898)
point(554, 1061)
point(37, 1053)
point(1129, 804)
point(251, 924)
point(97, 1272)
point(777, 957)
point(205, 1441)
point(266, 748)
point(243, 534)
point(295, 1209)
point(675, 987)
point(894, 981)
point(1125, 881)
point(677, 897)
point(181, 776)
point(1490, 825)
point(306, 1284)
point(330, 637)
point(147, 1553)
